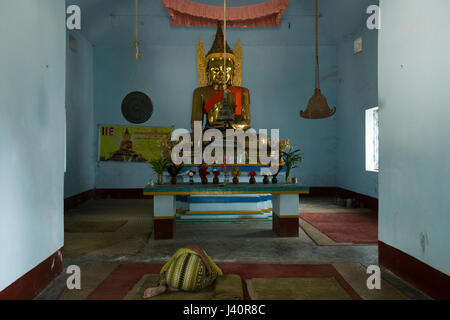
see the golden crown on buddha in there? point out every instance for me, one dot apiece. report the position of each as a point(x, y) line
point(209, 99)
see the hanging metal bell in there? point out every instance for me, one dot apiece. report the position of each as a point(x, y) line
point(317, 107)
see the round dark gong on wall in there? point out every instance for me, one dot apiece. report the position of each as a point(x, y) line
point(137, 107)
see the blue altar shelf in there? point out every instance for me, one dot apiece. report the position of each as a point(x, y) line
point(225, 208)
point(283, 197)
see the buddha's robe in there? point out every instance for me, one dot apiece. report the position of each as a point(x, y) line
point(202, 96)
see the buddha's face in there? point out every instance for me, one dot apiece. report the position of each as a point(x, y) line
point(216, 71)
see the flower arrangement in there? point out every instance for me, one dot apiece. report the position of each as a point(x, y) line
point(291, 157)
point(174, 170)
point(283, 145)
point(203, 172)
point(224, 170)
point(158, 165)
point(252, 175)
point(224, 165)
point(236, 172)
point(191, 174)
point(166, 145)
point(216, 174)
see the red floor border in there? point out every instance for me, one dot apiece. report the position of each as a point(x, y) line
point(28, 286)
point(125, 276)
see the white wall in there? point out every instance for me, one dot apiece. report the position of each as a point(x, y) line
point(32, 95)
point(81, 134)
point(414, 178)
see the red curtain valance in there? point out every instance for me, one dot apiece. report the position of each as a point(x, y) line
point(189, 13)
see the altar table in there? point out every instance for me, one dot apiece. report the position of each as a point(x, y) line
point(285, 203)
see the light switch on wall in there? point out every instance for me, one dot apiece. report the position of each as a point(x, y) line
point(357, 45)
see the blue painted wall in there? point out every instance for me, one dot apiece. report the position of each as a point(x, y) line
point(357, 92)
point(81, 136)
point(280, 80)
point(32, 98)
point(414, 66)
point(278, 68)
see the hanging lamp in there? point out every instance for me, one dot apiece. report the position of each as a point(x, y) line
point(137, 107)
point(317, 106)
point(226, 114)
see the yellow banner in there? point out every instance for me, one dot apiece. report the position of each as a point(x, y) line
point(130, 143)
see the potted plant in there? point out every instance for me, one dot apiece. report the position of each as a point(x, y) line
point(174, 170)
point(158, 165)
point(236, 172)
point(216, 174)
point(291, 157)
point(252, 175)
point(283, 145)
point(203, 172)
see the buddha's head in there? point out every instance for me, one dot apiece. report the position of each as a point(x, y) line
point(211, 67)
point(215, 66)
point(215, 71)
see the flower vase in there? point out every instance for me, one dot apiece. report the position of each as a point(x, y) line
point(274, 180)
point(288, 176)
point(235, 180)
point(266, 180)
point(226, 179)
point(173, 180)
point(252, 180)
point(204, 180)
point(216, 180)
point(191, 180)
point(160, 179)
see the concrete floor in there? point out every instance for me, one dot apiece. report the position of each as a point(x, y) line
point(232, 242)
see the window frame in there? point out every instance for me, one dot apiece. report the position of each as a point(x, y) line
point(372, 146)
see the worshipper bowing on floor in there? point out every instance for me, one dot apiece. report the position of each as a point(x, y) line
point(189, 269)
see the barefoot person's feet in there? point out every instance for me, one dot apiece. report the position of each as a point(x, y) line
point(152, 292)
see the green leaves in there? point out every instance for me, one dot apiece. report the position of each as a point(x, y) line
point(158, 164)
point(174, 169)
point(292, 157)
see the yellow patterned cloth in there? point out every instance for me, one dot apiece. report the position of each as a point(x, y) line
point(186, 271)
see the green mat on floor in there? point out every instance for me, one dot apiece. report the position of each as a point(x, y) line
point(226, 287)
point(296, 289)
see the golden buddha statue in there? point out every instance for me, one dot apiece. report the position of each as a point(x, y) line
point(209, 98)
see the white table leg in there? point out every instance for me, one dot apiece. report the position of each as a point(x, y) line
point(285, 215)
point(164, 217)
